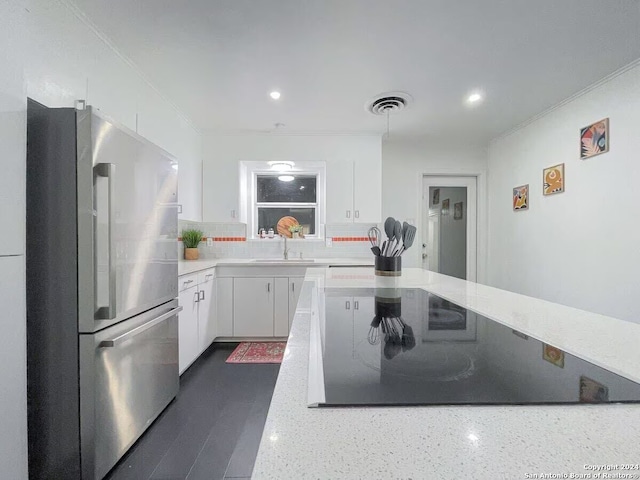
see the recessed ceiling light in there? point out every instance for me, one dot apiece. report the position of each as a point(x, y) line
point(474, 98)
point(275, 95)
point(286, 178)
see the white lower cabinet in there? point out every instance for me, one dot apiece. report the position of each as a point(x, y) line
point(281, 308)
point(295, 286)
point(188, 322)
point(224, 306)
point(253, 301)
point(206, 309)
point(197, 323)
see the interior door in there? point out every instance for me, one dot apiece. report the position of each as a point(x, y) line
point(449, 225)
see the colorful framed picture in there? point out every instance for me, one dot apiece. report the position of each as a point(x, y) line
point(521, 198)
point(592, 391)
point(594, 139)
point(435, 197)
point(457, 211)
point(445, 207)
point(553, 179)
point(553, 355)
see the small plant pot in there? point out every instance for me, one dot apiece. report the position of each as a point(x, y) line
point(388, 266)
point(191, 254)
point(295, 235)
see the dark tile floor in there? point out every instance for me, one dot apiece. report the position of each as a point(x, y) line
point(212, 429)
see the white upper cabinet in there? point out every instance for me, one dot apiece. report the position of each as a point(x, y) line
point(13, 129)
point(340, 191)
point(367, 191)
point(354, 190)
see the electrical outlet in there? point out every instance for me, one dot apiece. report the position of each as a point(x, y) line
point(209, 242)
point(329, 241)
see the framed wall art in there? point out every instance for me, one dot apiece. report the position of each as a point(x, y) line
point(594, 139)
point(457, 211)
point(445, 207)
point(553, 179)
point(521, 198)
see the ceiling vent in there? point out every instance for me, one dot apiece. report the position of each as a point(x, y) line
point(390, 102)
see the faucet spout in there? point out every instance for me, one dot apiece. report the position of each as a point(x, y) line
point(285, 251)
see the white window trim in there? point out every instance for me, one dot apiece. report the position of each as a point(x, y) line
point(249, 171)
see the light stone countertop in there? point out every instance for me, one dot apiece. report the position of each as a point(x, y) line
point(186, 267)
point(457, 442)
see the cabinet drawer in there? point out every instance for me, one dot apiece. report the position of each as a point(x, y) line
point(187, 281)
point(206, 276)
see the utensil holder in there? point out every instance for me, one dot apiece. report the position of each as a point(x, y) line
point(388, 266)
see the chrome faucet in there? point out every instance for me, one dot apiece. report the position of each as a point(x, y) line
point(285, 251)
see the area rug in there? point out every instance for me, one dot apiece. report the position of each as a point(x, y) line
point(258, 352)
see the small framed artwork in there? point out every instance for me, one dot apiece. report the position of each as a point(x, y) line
point(592, 391)
point(435, 197)
point(521, 198)
point(553, 355)
point(457, 211)
point(445, 207)
point(594, 139)
point(553, 179)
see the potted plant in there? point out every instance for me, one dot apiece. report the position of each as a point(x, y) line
point(191, 238)
point(296, 231)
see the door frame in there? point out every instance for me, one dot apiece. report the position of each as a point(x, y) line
point(481, 214)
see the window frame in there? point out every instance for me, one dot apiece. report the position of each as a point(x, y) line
point(254, 169)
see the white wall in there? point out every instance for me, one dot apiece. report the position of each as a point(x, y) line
point(221, 154)
point(13, 342)
point(67, 59)
point(405, 161)
point(580, 247)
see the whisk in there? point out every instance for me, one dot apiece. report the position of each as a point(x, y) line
point(374, 336)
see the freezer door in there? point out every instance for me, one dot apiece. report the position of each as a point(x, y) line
point(127, 223)
point(128, 375)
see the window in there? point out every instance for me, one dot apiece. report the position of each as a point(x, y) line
point(295, 198)
point(298, 193)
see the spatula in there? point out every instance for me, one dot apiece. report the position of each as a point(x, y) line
point(389, 229)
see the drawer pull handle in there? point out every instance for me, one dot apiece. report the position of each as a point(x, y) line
point(114, 342)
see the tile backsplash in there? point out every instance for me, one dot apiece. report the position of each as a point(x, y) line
point(230, 241)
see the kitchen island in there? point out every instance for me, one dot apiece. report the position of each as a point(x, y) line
point(447, 442)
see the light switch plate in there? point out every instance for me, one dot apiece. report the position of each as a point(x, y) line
point(209, 242)
point(329, 241)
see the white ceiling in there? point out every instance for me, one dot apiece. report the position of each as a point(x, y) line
point(219, 59)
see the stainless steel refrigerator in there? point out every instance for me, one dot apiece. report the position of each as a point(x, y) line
point(102, 266)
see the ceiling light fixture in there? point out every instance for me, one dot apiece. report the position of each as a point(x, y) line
point(474, 98)
point(281, 166)
point(286, 178)
point(275, 95)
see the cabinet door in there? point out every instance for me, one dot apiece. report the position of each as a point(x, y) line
point(295, 286)
point(224, 307)
point(188, 328)
point(339, 187)
point(253, 300)
point(206, 309)
point(367, 191)
point(13, 368)
point(281, 308)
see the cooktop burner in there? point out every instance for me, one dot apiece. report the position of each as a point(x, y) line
point(410, 347)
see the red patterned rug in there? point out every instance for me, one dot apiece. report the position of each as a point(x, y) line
point(258, 352)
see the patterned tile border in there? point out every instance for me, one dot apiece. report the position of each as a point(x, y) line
point(350, 239)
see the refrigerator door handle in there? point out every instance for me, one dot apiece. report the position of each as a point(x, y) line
point(114, 342)
point(108, 171)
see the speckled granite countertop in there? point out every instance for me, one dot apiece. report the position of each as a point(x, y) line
point(457, 442)
point(186, 267)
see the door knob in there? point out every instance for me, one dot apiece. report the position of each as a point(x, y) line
point(424, 245)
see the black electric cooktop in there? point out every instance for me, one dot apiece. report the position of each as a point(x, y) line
point(410, 347)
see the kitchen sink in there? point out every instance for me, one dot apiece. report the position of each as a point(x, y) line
point(282, 260)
